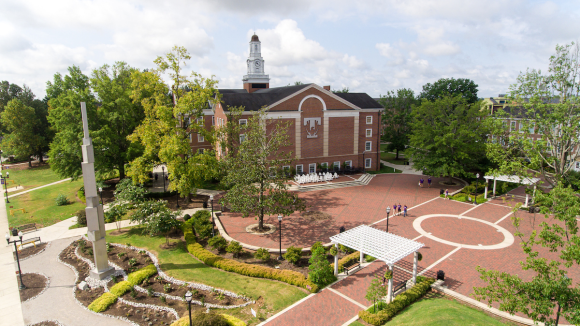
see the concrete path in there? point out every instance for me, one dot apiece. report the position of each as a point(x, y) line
point(29, 190)
point(407, 169)
point(57, 302)
point(10, 307)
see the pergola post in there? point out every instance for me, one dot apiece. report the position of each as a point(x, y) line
point(390, 294)
point(415, 267)
point(486, 184)
point(336, 260)
point(362, 257)
point(527, 197)
point(494, 183)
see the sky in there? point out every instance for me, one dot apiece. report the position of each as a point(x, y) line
point(371, 46)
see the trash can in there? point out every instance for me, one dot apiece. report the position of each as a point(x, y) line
point(204, 204)
point(14, 232)
point(531, 209)
point(441, 191)
point(441, 275)
point(342, 229)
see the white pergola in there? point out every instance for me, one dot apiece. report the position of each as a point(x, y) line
point(382, 245)
point(513, 179)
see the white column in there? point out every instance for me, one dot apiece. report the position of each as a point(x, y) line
point(494, 183)
point(390, 294)
point(336, 260)
point(527, 197)
point(486, 184)
point(362, 257)
point(415, 267)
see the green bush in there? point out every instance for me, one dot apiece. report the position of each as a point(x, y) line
point(230, 321)
point(202, 224)
point(121, 288)
point(355, 256)
point(103, 302)
point(404, 299)
point(293, 254)
point(229, 265)
point(81, 194)
point(262, 254)
point(345, 249)
point(316, 245)
point(369, 259)
point(82, 217)
point(186, 217)
point(61, 200)
point(234, 248)
point(218, 243)
point(320, 271)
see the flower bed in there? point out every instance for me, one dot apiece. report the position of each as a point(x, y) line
point(36, 284)
point(32, 251)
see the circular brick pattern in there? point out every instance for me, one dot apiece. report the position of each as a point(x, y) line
point(252, 226)
point(464, 231)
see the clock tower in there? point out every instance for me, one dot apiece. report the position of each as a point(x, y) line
point(255, 79)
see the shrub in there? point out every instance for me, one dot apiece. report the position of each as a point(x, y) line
point(162, 298)
point(82, 217)
point(186, 217)
point(320, 271)
point(293, 254)
point(150, 292)
point(103, 302)
point(167, 288)
point(316, 245)
point(202, 319)
point(132, 262)
point(61, 200)
point(345, 249)
point(234, 248)
point(262, 254)
point(218, 243)
point(369, 259)
point(233, 321)
point(228, 265)
point(355, 256)
point(81, 194)
point(202, 224)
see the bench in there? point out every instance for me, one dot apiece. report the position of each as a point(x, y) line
point(351, 267)
point(26, 227)
point(31, 240)
point(400, 286)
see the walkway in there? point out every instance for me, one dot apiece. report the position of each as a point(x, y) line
point(407, 169)
point(57, 301)
point(10, 308)
point(29, 190)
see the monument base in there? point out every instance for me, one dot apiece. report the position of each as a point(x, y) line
point(101, 275)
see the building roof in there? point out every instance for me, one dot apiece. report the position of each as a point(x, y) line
point(255, 38)
point(513, 179)
point(362, 100)
point(382, 245)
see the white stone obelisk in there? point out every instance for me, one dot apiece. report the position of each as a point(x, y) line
point(95, 213)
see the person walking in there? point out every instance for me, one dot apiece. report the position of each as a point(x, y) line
point(399, 208)
point(429, 182)
point(446, 194)
point(405, 211)
point(394, 209)
point(421, 182)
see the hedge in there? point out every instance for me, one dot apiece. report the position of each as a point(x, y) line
point(399, 303)
point(210, 259)
point(108, 298)
point(355, 256)
point(232, 321)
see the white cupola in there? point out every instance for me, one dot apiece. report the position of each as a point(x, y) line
point(255, 79)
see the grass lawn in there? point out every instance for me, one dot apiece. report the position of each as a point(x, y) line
point(385, 169)
point(40, 205)
point(31, 178)
point(390, 157)
point(434, 310)
point(178, 263)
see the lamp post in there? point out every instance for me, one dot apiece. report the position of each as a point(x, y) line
point(475, 197)
point(388, 211)
point(101, 193)
point(188, 296)
point(364, 163)
point(212, 220)
point(22, 287)
point(280, 227)
point(163, 170)
point(5, 184)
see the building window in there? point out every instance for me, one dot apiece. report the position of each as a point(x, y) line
point(242, 138)
point(213, 120)
point(369, 119)
point(521, 128)
point(190, 138)
point(299, 169)
point(286, 169)
point(243, 122)
point(200, 151)
point(324, 165)
point(200, 138)
point(532, 127)
point(368, 163)
point(368, 145)
point(513, 126)
point(336, 166)
point(577, 165)
point(312, 167)
point(348, 164)
point(369, 132)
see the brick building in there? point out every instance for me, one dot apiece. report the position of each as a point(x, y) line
point(324, 127)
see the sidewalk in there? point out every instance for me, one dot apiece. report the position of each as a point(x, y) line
point(29, 190)
point(407, 169)
point(10, 306)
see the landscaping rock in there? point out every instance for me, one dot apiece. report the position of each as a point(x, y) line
point(83, 286)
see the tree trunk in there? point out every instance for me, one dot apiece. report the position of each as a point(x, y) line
point(397, 154)
point(40, 158)
point(261, 220)
point(30, 161)
point(187, 198)
point(450, 179)
point(121, 171)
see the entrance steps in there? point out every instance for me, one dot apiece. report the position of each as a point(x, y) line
point(361, 181)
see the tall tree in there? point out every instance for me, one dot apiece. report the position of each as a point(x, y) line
point(450, 86)
point(20, 123)
point(258, 183)
point(171, 112)
point(396, 118)
point(547, 105)
point(118, 115)
point(551, 287)
point(447, 136)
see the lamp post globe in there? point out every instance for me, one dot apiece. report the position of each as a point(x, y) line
point(188, 297)
point(280, 227)
point(101, 194)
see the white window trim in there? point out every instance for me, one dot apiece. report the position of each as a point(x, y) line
point(244, 120)
point(348, 163)
point(310, 166)
point(284, 167)
point(514, 124)
point(369, 133)
point(371, 118)
point(200, 138)
point(201, 150)
point(191, 138)
point(301, 169)
point(213, 120)
point(336, 164)
point(242, 138)
point(370, 163)
point(369, 145)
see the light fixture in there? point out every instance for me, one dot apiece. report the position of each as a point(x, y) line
point(188, 296)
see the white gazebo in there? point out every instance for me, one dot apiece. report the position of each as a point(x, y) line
point(513, 179)
point(382, 245)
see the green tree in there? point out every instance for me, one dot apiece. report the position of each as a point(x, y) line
point(552, 286)
point(376, 291)
point(320, 271)
point(466, 88)
point(20, 122)
point(547, 105)
point(343, 90)
point(258, 183)
point(118, 116)
point(156, 217)
point(396, 117)
point(447, 136)
point(171, 112)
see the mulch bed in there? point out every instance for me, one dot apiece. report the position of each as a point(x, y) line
point(34, 283)
point(46, 323)
point(265, 229)
point(314, 216)
point(29, 251)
